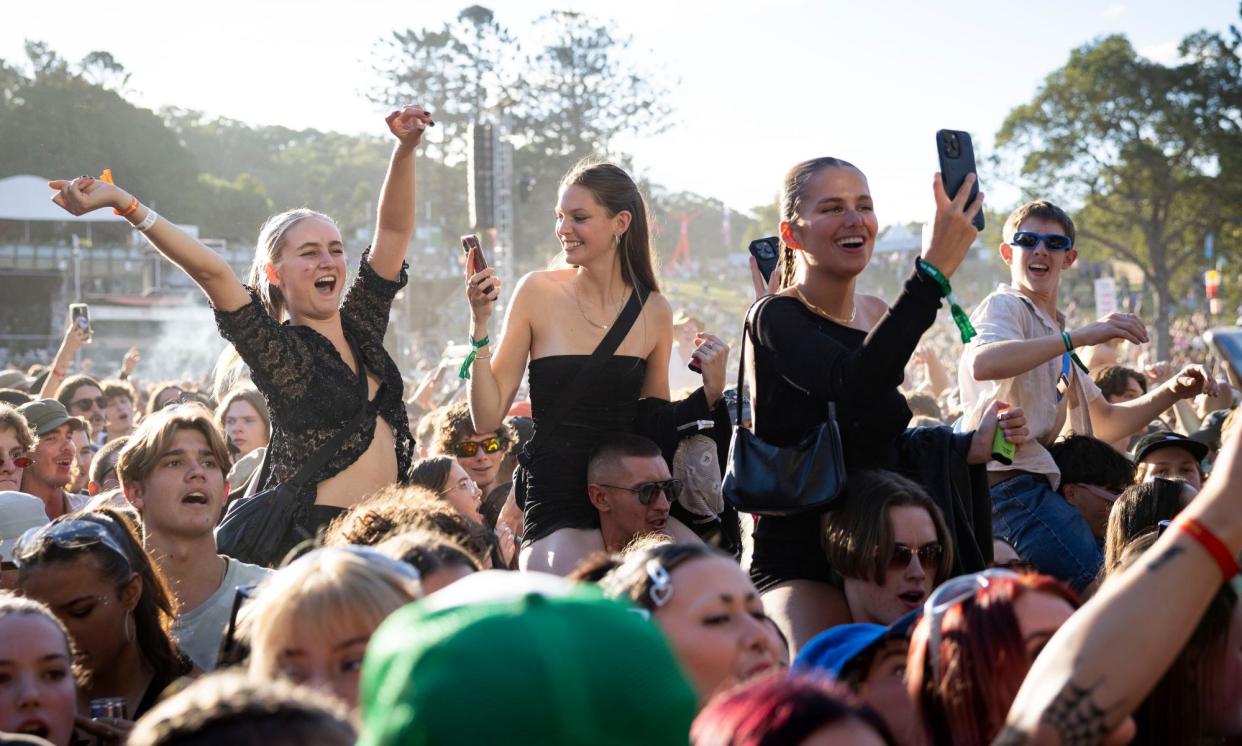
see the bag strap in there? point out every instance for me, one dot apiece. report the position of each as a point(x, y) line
point(608, 345)
point(316, 460)
point(741, 364)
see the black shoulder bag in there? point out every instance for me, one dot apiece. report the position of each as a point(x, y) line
point(255, 526)
point(608, 345)
point(779, 481)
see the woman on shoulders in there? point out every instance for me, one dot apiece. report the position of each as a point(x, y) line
point(304, 346)
point(555, 320)
point(820, 341)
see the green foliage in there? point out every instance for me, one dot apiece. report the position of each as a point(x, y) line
point(1139, 150)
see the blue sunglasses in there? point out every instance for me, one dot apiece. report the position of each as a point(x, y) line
point(1028, 240)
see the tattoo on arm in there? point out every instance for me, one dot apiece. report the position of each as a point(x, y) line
point(1165, 557)
point(1076, 717)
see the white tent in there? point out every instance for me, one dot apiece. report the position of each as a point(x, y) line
point(27, 198)
point(898, 238)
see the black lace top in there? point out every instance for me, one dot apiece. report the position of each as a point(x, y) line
point(310, 390)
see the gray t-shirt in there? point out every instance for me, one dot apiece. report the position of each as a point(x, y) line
point(199, 632)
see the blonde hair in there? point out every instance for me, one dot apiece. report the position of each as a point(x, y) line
point(322, 593)
point(229, 368)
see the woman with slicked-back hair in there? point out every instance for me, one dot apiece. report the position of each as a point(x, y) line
point(555, 320)
point(819, 341)
point(303, 345)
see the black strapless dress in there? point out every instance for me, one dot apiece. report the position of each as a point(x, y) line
point(556, 495)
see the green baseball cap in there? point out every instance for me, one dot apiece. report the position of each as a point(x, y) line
point(553, 668)
point(45, 415)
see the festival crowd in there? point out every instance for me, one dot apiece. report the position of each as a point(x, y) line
point(855, 525)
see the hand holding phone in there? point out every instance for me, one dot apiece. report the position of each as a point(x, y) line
point(80, 315)
point(474, 253)
point(767, 252)
point(957, 160)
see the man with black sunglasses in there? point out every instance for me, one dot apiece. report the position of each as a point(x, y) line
point(629, 483)
point(83, 397)
point(1025, 355)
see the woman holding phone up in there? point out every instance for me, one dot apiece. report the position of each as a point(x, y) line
point(821, 341)
point(306, 366)
point(555, 320)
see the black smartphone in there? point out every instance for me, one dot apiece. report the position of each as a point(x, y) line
point(766, 252)
point(81, 315)
point(1227, 341)
point(480, 262)
point(957, 159)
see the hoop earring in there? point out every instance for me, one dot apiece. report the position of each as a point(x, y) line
point(131, 627)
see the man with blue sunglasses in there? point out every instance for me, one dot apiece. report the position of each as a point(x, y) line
point(1024, 355)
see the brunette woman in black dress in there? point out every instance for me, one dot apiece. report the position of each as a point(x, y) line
point(820, 341)
point(555, 319)
point(305, 367)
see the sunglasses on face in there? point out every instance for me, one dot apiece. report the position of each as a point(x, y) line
point(84, 404)
point(929, 555)
point(468, 448)
point(1028, 240)
point(68, 535)
point(647, 491)
point(21, 462)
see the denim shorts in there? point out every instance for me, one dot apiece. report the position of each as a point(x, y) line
point(1047, 531)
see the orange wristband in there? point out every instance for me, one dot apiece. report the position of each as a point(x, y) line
point(1225, 560)
point(133, 205)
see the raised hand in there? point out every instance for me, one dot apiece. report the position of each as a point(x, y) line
point(713, 356)
point(764, 288)
point(408, 124)
point(1125, 326)
point(87, 194)
point(952, 231)
point(482, 289)
point(1192, 381)
point(130, 361)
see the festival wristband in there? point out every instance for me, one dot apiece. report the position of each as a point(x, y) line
point(959, 316)
point(1225, 560)
point(476, 345)
point(1069, 347)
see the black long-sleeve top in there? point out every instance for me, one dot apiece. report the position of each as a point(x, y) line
point(803, 361)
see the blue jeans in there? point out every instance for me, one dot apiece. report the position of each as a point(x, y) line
point(1047, 531)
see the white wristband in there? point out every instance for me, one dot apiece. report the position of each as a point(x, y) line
point(148, 221)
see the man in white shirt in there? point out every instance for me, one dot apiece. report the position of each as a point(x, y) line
point(172, 471)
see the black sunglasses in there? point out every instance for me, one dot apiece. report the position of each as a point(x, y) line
point(84, 404)
point(468, 448)
point(929, 554)
point(647, 491)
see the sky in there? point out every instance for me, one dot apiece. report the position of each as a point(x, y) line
point(755, 86)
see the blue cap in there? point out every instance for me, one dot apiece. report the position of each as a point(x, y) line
point(833, 649)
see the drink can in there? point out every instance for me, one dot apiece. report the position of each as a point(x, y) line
point(109, 707)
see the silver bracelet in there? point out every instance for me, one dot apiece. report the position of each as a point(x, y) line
point(148, 221)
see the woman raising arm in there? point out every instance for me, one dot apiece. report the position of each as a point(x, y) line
point(307, 368)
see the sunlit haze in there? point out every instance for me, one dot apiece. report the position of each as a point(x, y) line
point(755, 87)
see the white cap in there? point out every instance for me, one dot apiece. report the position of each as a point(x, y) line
point(19, 513)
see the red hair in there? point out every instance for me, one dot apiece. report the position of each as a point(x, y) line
point(779, 710)
point(983, 661)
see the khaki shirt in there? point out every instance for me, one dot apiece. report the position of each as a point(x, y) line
point(1005, 315)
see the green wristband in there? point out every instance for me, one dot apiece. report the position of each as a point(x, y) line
point(959, 316)
point(476, 345)
point(1069, 347)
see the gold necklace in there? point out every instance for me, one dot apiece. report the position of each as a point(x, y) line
point(578, 303)
point(825, 314)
